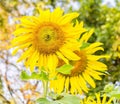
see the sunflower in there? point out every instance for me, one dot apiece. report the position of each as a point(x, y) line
point(98, 100)
point(47, 38)
point(84, 71)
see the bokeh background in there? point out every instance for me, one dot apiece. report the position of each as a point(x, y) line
point(102, 15)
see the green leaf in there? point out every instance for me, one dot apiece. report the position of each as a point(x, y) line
point(24, 75)
point(45, 101)
point(39, 76)
point(69, 99)
point(65, 69)
point(112, 91)
point(115, 94)
point(84, 45)
point(42, 101)
point(109, 87)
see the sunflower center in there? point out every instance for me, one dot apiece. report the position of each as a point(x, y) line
point(50, 38)
point(47, 37)
point(80, 65)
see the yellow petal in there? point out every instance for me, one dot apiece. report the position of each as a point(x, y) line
point(72, 88)
point(73, 32)
point(109, 102)
point(21, 40)
point(95, 57)
point(94, 75)
point(62, 57)
point(34, 58)
point(56, 14)
point(89, 35)
point(80, 24)
point(94, 50)
point(104, 99)
point(15, 51)
point(61, 84)
point(45, 60)
point(89, 79)
point(67, 84)
point(40, 61)
point(20, 31)
point(23, 37)
point(45, 15)
point(94, 45)
point(52, 62)
point(98, 98)
point(69, 54)
point(26, 54)
point(78, 87)
point(55, 60)
point(34, 20)
point(26, 20)
point(67, 18)
point(20, 47)
point(97, 65)
point(82, 83)
point(73, 46)
point(94, 71)
point(86, 36)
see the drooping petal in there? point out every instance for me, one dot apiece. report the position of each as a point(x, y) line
point(62, 57)
point(67, 18)
point(97, 65)
point(82, 83)
point(95, 57)
point(69, 54)
point(93, 45)
point(26, 54)
point(89, 79)
point(94, 75)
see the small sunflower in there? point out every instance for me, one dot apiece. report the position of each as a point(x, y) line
point(84, 72)
point(98, 100)
point(46, 38)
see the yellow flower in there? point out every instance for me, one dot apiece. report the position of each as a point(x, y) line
point(98, 100)
point(85, 70)
point(47, 38)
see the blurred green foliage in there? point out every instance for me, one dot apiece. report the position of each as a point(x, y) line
point(106, 21)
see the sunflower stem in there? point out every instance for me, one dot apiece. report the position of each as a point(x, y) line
point(45, 88)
